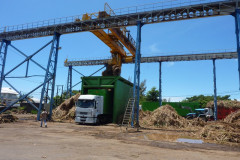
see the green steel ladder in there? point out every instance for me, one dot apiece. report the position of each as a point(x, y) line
point(128, 113)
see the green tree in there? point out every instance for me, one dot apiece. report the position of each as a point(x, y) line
point(59, 99)
point(203, 100)
point(152, 95)
point(74, 92)
point(143, 88)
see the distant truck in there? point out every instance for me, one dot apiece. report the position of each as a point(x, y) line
point(203, 113)
point(103, 99)
point(207, 113)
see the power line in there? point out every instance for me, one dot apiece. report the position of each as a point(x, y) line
point(31, 81)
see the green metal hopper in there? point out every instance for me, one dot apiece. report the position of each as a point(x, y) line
point(115, 90)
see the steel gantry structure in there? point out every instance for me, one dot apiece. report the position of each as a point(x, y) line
point(70, 86)
point(174, 10)
point(50, 72)
point(224, 54)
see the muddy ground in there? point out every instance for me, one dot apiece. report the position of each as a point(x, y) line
point(26, 140)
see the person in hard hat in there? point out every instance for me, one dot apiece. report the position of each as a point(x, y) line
point(44, 118)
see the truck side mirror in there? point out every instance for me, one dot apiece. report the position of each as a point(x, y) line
point(95, 105)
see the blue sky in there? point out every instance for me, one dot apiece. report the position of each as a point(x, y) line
point(180, 79)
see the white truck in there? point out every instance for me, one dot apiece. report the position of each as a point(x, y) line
point(89, 109)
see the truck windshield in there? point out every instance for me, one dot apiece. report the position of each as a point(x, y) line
point(85, 103)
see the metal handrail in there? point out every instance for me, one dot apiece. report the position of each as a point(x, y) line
point(117, 12)
point(191, 52)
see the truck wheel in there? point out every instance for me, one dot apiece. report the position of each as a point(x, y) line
point(188, 117)
point(204, 119)
point(98, 120)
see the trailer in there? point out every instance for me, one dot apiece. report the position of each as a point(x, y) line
point(224, 108)
point(103, 99)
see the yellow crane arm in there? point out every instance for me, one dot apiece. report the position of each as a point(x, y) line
point(117, 32)
point(110, 42)
point(116, 39)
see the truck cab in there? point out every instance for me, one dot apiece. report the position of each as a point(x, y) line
point(88, 109)
point(204, 113)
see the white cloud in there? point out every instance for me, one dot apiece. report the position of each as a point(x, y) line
point(154, 49)
point(170, 64)
point(174, 99)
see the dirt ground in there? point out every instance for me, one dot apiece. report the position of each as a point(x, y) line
point(26, 140)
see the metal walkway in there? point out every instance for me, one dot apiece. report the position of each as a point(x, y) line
point(170, 58)
point(173, 10)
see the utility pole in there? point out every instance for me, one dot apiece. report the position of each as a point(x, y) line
point(59, 87)
point(62, 94)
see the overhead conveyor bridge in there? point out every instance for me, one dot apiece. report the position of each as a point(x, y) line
point(169, 58)
point(153, 13)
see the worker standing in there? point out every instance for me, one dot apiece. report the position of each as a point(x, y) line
point(44, 118)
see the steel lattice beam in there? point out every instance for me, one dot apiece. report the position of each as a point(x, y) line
point(215, 90)
point(122, 18)
point(28, 58)
point(3, 56)
point(49, 81)
point(171, 58)
point(136, 85)
point(69, 82)
point(160, 84)
point(237, 24)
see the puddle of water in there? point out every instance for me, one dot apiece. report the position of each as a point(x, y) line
point(159, 137)
point(169, 137)
point(185, 140)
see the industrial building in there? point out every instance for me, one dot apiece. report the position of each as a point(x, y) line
point(8, 95)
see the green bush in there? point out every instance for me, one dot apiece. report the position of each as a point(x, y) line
point(151, 106)
point(7, 112)
point(14, 110)
point(34, 111)
point(22, 108)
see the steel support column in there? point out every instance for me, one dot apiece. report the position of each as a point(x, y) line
point(3, 55)
point(160, 84)
point(69, 82)
point(50, 75)
point(215, 90)
point(28, 58)
point(237, 24)
point(84, 75)
point(136, 86)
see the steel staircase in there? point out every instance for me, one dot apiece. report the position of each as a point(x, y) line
point(128, 113)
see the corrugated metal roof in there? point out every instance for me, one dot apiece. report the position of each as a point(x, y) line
point(35, 100)
point(8, 90)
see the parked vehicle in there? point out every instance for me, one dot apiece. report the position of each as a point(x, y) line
point(103, 99)
point(203, 113)
point(89, 109)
